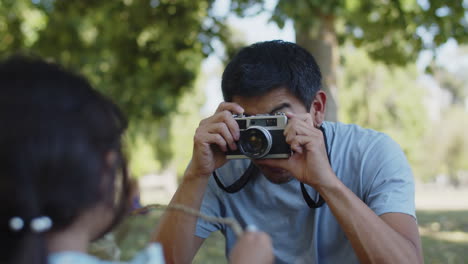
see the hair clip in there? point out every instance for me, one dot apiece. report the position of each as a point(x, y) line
point(41, 224)
point(16, 223)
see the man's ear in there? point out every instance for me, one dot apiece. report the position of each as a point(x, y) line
point(317, 108)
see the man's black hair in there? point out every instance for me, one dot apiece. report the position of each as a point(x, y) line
point(264, 66)
point(56, 133)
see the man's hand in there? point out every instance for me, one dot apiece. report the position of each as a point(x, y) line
point(309, 163)
point(213, 137)
point(252, 247)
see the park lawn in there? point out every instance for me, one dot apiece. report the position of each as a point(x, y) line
point(134, 233)
point(444, 238)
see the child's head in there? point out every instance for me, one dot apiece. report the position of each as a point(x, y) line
point(60, 155)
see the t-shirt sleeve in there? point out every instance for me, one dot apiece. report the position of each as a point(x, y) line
point(211, 206)
point(390, 185)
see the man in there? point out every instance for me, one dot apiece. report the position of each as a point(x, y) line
point(362, 189)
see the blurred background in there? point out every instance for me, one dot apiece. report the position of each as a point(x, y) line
point(395, 66)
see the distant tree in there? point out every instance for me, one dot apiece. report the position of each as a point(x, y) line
point(447, 146)
point(390, 31)
point(451, 74)
point(447, 142)
point(144, 54)
point(386, 99)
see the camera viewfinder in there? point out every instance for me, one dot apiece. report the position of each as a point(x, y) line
point(271, 122)
point(242, 123)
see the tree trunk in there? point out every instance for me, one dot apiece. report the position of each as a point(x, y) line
point(323, 45)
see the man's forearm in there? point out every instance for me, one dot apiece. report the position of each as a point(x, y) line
point(176, 229)
point(373, 240)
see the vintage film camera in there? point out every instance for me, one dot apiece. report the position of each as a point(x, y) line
point(261, 137)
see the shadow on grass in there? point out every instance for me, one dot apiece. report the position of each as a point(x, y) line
point(448, 220)
point(444, 236)
point(444, 252)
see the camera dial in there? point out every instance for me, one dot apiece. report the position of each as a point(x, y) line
point(255, 142)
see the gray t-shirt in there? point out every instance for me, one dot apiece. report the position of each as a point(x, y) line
point(369, 163)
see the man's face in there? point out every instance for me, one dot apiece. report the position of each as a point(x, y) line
point(277, 100)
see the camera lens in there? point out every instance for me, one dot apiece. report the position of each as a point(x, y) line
point(255, 142)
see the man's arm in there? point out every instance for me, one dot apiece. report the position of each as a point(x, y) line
point(390, 238)
point(214, 136)
point(176, 229)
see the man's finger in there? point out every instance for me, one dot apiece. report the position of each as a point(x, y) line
point(226, 118)
point(223, 130)
point(231, 107)
point(217, 140)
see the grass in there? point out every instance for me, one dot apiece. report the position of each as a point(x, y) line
point(134, 233)
point(444, 237)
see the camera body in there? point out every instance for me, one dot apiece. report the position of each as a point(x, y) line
point(261, 137)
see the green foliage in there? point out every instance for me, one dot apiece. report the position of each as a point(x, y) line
point(390, 100)
point(389, 31)
point(447, 145)
point(386, 99)
point(457, 87)
point(184, 123)
point(178, 128)
point(393, 32)
point(141, 154)
point(449, 71)
point(144, 54)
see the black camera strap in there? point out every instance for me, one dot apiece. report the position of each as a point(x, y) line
point(311, 203)
point(240, 183)
point(253, 170)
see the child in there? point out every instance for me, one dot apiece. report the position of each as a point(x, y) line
point(63, 177)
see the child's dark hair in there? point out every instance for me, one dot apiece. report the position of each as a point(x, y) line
point(264, 66)
point(56, 136)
